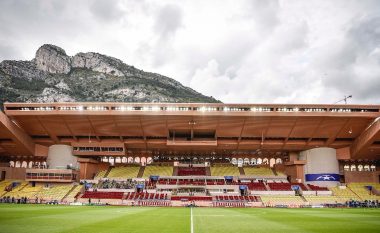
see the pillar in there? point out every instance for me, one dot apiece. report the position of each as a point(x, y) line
point(321, 167)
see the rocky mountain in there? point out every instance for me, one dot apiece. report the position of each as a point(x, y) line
point(53, 76)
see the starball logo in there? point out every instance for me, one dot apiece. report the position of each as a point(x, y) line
point(325, 177)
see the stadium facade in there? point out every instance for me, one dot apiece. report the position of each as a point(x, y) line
point(204, 151)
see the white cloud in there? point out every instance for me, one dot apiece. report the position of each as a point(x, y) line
point(237, 51)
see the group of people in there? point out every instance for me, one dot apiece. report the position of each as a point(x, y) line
point(113, 184)
point(365, 203)
point(8, 199)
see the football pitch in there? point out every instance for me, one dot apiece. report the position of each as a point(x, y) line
point(41, 218)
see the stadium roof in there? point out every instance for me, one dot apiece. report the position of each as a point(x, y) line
point(27, 128)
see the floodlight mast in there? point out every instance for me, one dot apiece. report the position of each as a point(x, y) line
point(344, 99)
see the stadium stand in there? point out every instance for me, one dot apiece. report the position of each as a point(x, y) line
point(317, 188)
point(258, 186)
point(103, 195)
point(191, 171)
point(117, 184)
point(273, 200)
point(27, 191)
point(225, 171)
point(146, 196)
point(234, 198)
point(153, 170)
point(191, 198)
point(54, 193)
point(126, 172)
point(344, 193)
point(74, 193)
point(363, 192)
point(319, 200)
point(190, 182)
point(280, 186)
point(100, 174)
point(258, 171)
point(3, 185)
point(216, 182)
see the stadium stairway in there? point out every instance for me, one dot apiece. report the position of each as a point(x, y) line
point(359, 190)
point(20, 187)
point(23, 186)
point(241, 170)
point(208, 171)
point(68, 193)
point(303, 198)
point(107, 172)
point(267, 186)
point(175, 171)
point(274, 171)
point(141, 172)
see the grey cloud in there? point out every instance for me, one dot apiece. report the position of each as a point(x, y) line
point(365, 34)
point(263, 13)
point(168, 20)
point(353, 68)
point(8, 52)
point(106, 11)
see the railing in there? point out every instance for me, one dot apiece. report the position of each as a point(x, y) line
point(188, 107)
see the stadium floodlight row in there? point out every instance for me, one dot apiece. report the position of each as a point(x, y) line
point(166, 154)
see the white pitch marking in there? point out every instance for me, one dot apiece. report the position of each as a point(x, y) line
point(191, 220)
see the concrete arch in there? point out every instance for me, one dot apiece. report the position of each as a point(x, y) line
point(143, 161)
point(234, 161)
point(246, 161)
point(259, 160)
point(272, 162)
point(278, 161)
point(265, 161)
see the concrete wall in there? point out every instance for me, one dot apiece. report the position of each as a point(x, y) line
point(296, 173)
point(13, 173)
point(61, 156)
point(366, 177)
point(88, 168)
point(321, 162)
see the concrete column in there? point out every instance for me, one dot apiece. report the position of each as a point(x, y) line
point(321, 167)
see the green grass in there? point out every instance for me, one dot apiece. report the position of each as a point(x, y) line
point(41, 218)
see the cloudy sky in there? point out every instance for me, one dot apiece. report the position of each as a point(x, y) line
point(258, 51)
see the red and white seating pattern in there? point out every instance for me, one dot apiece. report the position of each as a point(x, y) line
point(103, 195)
point(146, 196)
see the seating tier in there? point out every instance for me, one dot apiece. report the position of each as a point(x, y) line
point(157, 171)
point(225, 171)
point(124, 172)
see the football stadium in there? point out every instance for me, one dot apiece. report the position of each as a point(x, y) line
point(191, 116)
point(189, 167)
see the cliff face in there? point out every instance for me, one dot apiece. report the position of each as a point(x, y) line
point(53, 76)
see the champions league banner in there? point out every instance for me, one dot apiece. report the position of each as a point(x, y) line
point(322, 177)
